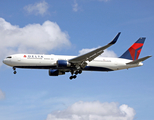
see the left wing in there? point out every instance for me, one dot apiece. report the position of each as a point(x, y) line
point(80, 60)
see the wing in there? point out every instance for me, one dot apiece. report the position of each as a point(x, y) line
point(81, 60)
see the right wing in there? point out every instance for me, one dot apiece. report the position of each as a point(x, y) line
point(81, 60)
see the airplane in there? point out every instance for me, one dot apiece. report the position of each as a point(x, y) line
point(91, 61)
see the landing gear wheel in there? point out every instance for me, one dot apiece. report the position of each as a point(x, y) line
point(15, 72)
point(74, 76)
point(71, 77)
point(14, 68)
point(80, 71)
point(74, 73)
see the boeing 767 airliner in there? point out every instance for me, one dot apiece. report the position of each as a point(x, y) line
point(60, 64)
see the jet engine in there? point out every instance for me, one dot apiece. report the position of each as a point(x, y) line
point(63, 64)
point(55, 72)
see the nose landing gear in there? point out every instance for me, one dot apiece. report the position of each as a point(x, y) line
point(14, 72)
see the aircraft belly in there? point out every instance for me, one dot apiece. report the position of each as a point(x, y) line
point(92, 68)
point(99, 66)
point(106, 66)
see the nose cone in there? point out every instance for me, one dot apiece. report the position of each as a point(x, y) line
point(7, 62)
point(4, 61)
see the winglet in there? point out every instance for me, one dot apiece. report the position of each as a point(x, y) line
point(115, 39)
point(93, 54)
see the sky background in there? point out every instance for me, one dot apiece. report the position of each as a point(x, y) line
point(70, 27)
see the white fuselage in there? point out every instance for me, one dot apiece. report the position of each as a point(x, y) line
point(40, 61)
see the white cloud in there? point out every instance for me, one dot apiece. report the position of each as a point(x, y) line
point(75, 6)
point(2, 95)
point(107, 53)
point(94, 111)
point(33, 38)
point(39, 8)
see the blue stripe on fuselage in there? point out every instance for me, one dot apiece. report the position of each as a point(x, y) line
point(91, 68)
point(87, 68)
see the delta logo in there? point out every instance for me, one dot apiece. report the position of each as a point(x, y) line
point(24, 56)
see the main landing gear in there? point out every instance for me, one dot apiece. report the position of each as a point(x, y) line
point(73, 76)
point(76, 72)
point(14, 72)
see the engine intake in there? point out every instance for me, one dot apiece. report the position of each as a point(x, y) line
point(55, 72)
point(63, 64)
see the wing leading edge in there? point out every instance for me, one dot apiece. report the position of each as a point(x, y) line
point(93, 54)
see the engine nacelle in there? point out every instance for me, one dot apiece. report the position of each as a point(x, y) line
point(63, 64)
point(55, 72)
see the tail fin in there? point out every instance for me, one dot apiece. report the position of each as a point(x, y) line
point(134, 51)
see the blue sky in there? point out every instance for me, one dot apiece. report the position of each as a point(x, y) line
point(66, 27)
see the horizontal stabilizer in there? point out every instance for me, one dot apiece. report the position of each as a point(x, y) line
point(139, 60)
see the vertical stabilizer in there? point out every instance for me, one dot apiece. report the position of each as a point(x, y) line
point(134, 51)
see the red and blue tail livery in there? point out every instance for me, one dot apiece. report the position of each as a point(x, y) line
point(134, 51)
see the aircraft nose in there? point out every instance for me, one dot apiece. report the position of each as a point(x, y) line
point(4, 61)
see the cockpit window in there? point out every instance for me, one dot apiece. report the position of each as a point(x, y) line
point(9, 57)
